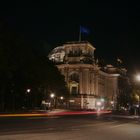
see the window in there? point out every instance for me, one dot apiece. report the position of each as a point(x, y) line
point(74, 90)
point(74, 77)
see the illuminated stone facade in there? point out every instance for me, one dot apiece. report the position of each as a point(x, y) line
point(90, 87)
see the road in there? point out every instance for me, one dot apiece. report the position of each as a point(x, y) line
point(72, 127)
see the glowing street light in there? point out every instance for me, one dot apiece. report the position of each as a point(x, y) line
point(28, 97)
point(112, 102)
point(61, 97)
point(138, 77)
point(52, 95)
point(138, 96)
point(99, 103)
point(28, 90)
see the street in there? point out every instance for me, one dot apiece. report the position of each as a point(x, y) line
point(72, 127)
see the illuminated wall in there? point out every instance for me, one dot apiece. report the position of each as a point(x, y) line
point(84, 77)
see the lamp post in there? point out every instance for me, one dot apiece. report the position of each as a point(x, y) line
point(138, 96)
point(28, 97)
point(52, 95)
point(28, 90)
point(61, 97)
point(98, 105)
point(138, 77)
point(61, 101)
point(112, 105)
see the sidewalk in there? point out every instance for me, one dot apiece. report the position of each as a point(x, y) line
point(126, 116)
point(59, 110)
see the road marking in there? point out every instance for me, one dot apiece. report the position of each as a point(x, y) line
point(103, 123)
point(74, 129)
point(50, 129)
point(94, 124)
point(119, 125)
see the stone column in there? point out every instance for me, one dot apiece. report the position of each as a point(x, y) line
point(92, 89)
point(80, 81)
point(96, 83)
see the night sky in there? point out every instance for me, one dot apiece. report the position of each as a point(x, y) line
point(114, 26)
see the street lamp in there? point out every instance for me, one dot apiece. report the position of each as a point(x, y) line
point(61, 101)
point(52, 95)
point(138, 77)
point(98, 105)
point(138, 96)
point(28, 90)
point(28, 97)
point(112, 104)
point(61, 97)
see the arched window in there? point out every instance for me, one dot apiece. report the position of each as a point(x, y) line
point(74, 77)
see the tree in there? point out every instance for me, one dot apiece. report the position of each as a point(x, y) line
point(125, 90)
point(22, 67)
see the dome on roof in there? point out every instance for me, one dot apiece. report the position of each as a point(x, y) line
point(73, 52)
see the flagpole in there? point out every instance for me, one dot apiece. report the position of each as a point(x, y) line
point(80, 34)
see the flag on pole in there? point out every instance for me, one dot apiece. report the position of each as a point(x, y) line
point(83, 30)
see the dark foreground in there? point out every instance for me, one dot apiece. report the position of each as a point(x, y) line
point(73, 127)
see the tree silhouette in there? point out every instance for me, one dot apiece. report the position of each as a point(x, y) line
point(24, 65)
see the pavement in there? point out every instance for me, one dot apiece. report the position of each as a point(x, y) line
point(126, 116)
